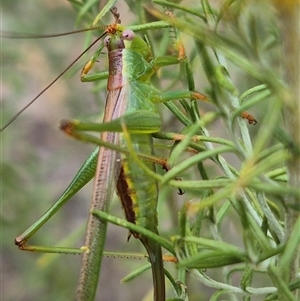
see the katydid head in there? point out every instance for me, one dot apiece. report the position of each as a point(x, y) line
point(117, 39)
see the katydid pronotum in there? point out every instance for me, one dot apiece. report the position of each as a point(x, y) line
point(143, 81)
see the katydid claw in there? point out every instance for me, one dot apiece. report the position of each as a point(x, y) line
point(20, 242)
point(67, 127)
point(167, 168)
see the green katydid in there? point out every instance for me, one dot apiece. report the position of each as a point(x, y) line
point(129, 94)
point(138, 81)
point(141, 49)
point(127, 126)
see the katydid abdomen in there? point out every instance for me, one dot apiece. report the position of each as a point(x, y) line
point(139, 195)
point(137, 191)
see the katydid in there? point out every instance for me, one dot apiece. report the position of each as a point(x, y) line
point(138, 75)
point(125, 164)
point(129, 92)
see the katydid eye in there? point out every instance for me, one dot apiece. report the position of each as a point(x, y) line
point(128, 35)
point(106, 41)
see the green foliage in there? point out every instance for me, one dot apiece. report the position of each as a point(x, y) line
point(229, 231)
